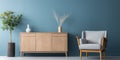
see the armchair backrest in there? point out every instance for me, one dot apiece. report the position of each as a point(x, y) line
point(94, 36)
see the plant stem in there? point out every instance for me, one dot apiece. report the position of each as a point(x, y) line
point(10, 35)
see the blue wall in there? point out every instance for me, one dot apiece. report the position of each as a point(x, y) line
point(84, 15)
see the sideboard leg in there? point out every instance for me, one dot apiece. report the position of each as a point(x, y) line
point(21, 54)
point(66, 54)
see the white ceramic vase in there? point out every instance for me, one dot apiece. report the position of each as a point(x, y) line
point(28, 28)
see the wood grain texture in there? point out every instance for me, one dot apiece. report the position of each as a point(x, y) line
point(27, 42)
point(59, 43)
point(44, 42)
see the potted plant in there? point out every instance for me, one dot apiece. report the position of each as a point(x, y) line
point(9, 22)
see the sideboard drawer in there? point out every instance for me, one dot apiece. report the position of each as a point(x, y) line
point(27, 34)
point(60, 34)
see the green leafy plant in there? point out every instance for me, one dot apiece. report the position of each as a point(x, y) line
point(10, 21)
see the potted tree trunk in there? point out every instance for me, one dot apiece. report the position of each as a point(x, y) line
point(9, 22)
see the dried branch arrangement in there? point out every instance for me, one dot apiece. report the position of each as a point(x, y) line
point(60, 20)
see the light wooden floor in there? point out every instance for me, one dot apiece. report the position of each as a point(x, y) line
point(58, 58)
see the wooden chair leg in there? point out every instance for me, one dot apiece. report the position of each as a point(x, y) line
point(104, 54)
point(81, 54)
point(86, 54)
point(100, 55)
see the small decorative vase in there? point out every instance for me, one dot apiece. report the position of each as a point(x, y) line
point(59, 29)
point(28, 28)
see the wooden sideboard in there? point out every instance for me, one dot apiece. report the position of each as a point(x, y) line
point(43, 42)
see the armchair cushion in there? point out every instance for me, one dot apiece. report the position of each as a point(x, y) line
point(94, 37)
point(90, 46)
point(83, 41)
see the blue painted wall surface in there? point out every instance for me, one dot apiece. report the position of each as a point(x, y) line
point(84, 15)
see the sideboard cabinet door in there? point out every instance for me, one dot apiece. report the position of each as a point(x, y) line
point(43, 42)
point(27, 42)
point(59, 42)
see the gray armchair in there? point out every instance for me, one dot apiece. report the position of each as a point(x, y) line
point(92, 41)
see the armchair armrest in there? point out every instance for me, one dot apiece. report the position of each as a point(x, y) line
point(78, 40)
point(104, 43)
point(81, 41)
